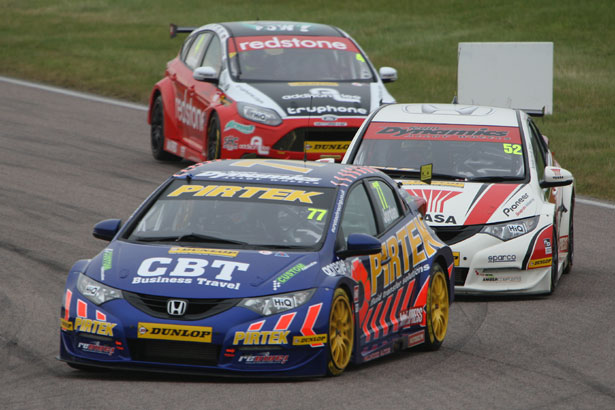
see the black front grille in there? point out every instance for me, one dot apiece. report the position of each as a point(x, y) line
point(164, 351)
point(294, 140)
point(156, 306)
point(453, 234)
point(460, 276)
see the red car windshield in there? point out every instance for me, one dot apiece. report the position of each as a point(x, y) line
point(464, 151)
point(297, 58)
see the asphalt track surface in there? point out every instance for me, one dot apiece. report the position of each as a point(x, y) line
point(67, 163)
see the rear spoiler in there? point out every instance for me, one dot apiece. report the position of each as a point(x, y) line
point(173, 30)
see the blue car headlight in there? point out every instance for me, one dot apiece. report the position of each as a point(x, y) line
point(259, 114)
point(270, 305)
point(96, 292)
point(513, 229)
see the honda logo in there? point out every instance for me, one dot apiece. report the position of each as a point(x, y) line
point(176, 307)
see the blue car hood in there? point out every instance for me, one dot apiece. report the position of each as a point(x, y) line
point(192, 272)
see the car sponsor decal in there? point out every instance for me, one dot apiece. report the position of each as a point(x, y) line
point(290, 273)
point(312, 147)
point(178, 250)
point(411, 236)
point(276, 42)
point(518, 205)
point(258, 176)
point(262, 358)
point(313, 340)
point(243, 128)
point(96, 327)
point(160, 331)
point(264, 337)
point(491, 200)
point(188, 114)
point(302, 27)
point(489, 278)
point(416, 338)
point(326, 109)
point(539, 263)
point(235, 191)
point(106, 264)
point(537, 256)
point(66, 325)
point(443, 132)
point(183, 270)
point(433, 183)
point(96, 347)
point(435, 198)
point(323, 93)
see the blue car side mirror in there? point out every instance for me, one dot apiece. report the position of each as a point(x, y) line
point(360, 244)
point(107, 229)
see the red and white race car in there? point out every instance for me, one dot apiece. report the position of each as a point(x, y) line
point(496, 195)
point(264, 89)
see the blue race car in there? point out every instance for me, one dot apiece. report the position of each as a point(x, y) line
point(260, 267)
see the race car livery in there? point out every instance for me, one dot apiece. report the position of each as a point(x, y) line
point(260, 267)
point(496, 195)
point(264, 89)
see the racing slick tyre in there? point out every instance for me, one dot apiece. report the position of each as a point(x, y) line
point(341, 333)
point(437, 309)
point(570, 257)
point(157, 133)
point(554, 260)
point(213, 137)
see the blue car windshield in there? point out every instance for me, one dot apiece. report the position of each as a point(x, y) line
point(253, 215)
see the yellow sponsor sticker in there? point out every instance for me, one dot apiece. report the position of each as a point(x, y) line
point(308, 340)
point(96, 327)
point(323, 147)
point(174, 332)
point(203, 251)
point(66, 324)
point(272, 337)
point(441, 183)
point(456, 258)
point(539, 263)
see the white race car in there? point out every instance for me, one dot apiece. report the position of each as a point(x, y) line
point(495, 193)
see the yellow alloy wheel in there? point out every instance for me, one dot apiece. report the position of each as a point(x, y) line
point(341, 332)
point(437, 309)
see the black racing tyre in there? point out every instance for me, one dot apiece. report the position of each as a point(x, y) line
point(341, 333)
point(570, 257)
point(157, 133)
point(438, 305)
point(213, 137)
point(554, 259)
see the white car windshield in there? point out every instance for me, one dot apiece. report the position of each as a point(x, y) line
point(297, 58)
point(237, 214)
point(469, 152)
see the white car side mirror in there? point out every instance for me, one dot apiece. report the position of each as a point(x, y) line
point(556, 176)
point(205, 74)
point(388, 74)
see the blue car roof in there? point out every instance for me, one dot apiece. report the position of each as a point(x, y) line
point(283, 172)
